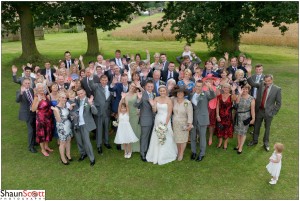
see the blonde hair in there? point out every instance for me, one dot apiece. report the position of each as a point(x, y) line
point(226, 85)
point(156, 55)
point(188, 71)
point(239, 71)
point(61, 94)
point(279, 147)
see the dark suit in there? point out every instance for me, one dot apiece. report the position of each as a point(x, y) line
point(164, 76)
point(43, 72)
point(124, 66)
point(204, 73)
point(83, 135)
point(155, 89)
point(72, 62)
point(20, 80)
point(165, 66)
point(25, 114)
point(103, 106)
point(118, 88)
point(271, 108)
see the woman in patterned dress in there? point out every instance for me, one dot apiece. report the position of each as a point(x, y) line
point(246, 106)
point(44, 124)
point(186, 82)
point(63, 125)
point(224, 128)
point(182, 119)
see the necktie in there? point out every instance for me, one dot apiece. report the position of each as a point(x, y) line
point(257, 79)
point(29, 96)
point(87, 80)
point(49, 75)
point(69, 64)
point(150, 95)
point(263, 100)
point(124, 89)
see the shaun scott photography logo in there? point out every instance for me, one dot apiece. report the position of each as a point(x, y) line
point(22, 194)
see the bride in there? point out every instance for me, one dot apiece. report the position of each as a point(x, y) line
point(162, 153)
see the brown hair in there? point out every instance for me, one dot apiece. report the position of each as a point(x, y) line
point(247, 86)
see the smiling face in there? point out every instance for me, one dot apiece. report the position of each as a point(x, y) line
point(54, 87)
point(180, 95)
point(81, 94)
point(62, 98)
point(149, 87)
point(163, 91)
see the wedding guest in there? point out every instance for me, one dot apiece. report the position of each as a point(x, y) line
point(198, 74)
point(200, 101)
point(131, 98)
point(82, 74)
point(258, 77)
point(24, 96)
point(224, 77)
point(86, 125)
point(245, 111)
point(44, 125)
point(53, 101)
point(212, 105)
point(170, 73)
point(63, 125)
point(171, 83)
point(209, 69)
point(268, 103)
point(146, 117)
point(156, 64)
point(224, 128)
point(74, 73)
point(19, 80)
point(186, 82)
point(48, 72)
point(125, 134)
point(182, 119)
point(157, 82)
point(137, 58)
point(103, 100)
point(145, 73)
point(164, 61)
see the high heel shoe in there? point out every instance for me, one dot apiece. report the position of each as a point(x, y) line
point(236, 148)
point(239, 152)
point(69, 159)
point(67, 163)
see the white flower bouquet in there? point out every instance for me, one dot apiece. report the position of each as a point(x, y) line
point(161, 132)
point(115, 123)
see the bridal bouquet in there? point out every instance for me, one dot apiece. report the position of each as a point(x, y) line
point(161, 132)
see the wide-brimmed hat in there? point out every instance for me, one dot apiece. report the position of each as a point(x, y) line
point(178, 89)
point(210, 76)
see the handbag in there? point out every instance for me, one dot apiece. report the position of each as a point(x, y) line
point(247, 121)
point(220, 126)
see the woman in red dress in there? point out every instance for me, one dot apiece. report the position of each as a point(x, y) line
point(224, 128)
point(44, 124)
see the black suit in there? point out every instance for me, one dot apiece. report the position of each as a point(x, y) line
point(72, 62)
point(165, 78)
point(43, 72)
point(165, 66)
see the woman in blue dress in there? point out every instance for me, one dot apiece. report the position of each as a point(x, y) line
point(186, 82)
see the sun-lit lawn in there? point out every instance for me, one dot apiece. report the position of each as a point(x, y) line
point(221, 175)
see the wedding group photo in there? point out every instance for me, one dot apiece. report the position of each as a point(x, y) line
point(151, 100)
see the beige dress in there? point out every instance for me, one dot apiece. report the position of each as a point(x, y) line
point(182, 115)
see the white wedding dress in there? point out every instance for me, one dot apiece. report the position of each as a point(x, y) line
point(157, 153)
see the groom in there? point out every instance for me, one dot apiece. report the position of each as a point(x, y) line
point(146, 117)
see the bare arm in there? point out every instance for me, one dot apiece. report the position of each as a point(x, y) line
point(252, 111)
point(56, 114)
point(170, 109)
point(218, 111)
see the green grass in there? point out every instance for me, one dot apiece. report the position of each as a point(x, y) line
point(221, 175)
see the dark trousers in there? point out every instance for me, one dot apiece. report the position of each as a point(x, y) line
point(31, 130)
point(259, 118)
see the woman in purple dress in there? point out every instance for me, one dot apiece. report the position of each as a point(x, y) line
point(44, 124)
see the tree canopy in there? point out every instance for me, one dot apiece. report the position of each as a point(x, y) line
point(220, 24)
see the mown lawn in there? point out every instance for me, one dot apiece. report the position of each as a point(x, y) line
point(221, 175)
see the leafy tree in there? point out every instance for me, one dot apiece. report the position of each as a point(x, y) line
point(103, 15)
point(220, 24)
point(26, 16)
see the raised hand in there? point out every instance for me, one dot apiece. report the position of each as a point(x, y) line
point(80, 58)
point(217, 82)
point(147, 51)
point(239, 89)
point(123, 95)
point(29, 65)
point(76, 62)
point(139, 95)
point(138, 84)
point(91, 99)
point(193, 54)
point(14, 69)
point(152, 102)
point(22, 89)
point(208, 84)
point(55, 67)
point(226, 55)
point(233, 87)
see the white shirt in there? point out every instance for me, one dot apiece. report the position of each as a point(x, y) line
point(195, 99)
point(81, 108)
point(106, 91)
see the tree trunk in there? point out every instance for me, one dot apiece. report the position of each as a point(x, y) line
point(29, 49)
point(91, 33)
point(229, 43)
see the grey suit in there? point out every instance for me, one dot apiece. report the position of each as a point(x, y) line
point(20, 80)
point(272, 106)
point(201, 120)
point(25, 114)
point(83, 135)
point(253, 89)
point(146, 121)
point(103, 106)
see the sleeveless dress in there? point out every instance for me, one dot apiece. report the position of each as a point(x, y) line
point(157, 153)
point(44, 124)
point(134, 122)
point(226, 118)
point(243, 113)
point(125, 134)
point(64, 127)
point(274, 168)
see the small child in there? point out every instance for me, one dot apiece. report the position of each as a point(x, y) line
point(125, 134)
point(187, 51)
point(274, 166)
point(74, 114)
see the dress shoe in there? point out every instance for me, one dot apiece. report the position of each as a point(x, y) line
point(118, 147)
point(273, 182)
point(107, 146)
point(143, 158)
point(252, 143)
point(32, 150)
point(67, 163)
point(239, 152)
point(267, 148)
point(200, 158)
point(82, 157)
point(236, 148)
point(129, 155)
point(92, 163)
point(99, 150)
point(193, 156)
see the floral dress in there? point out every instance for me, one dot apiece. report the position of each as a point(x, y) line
point(226, 118)
point(44, 124)
point(64, 126)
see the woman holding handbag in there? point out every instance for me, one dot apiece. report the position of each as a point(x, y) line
point(245, 115)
